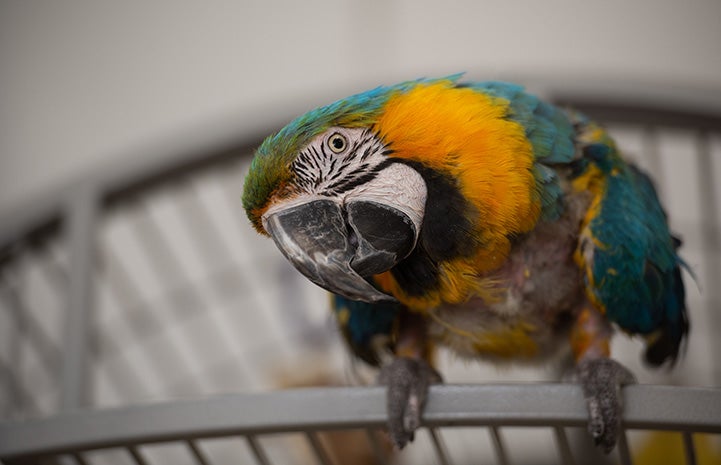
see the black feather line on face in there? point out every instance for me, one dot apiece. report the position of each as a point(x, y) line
point(357, 178)
point(322, 150)
point(314, 157)
point(315, 165)
point(331, 169)
point(352, 153)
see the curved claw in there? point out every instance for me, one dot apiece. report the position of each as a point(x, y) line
point(408, 381)
point(601, 380)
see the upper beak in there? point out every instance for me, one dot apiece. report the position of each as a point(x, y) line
point(339, 248)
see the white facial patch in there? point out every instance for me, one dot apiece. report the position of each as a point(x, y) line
point(336, 160)
point(352, 164)
point(398, 186)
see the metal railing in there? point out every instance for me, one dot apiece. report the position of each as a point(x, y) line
point(312, 411)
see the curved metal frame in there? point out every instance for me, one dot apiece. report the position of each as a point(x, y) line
point(689, 410)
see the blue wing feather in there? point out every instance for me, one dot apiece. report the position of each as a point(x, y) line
point(636, 271)
point(366, 326)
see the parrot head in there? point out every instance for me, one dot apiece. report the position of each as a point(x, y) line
point(337, 205)
point(397, 174)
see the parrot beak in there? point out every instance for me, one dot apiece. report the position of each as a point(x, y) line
point(339, 248)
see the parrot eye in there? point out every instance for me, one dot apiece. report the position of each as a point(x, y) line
point(337, 143)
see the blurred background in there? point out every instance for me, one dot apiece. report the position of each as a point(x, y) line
point(125, 133)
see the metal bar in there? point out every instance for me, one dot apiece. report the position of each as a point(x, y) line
point(80, 459)
point(25, 403)
point(16, 396)
point(688, 448)
point(671, 108)
point(376, 447)
point(260, 456)
point(267, 308)
point(164, 261)
point(26, 217)
point(80, 236)
point(210, 248)
point(183, 299)
point(652, 156)
point(197, 453)
point(122, 375)
point(710, 240)
point(498, 446)
point(136, 455)
point(318, 449)
point(623, 451)
point(564, 449)
point(65, 460)
point(439, 446)
point(205, 234)
point(120, 286)
point(143, 321)
point(26, 328)
point(48, 352)
point(55, 270)
point(645, 407)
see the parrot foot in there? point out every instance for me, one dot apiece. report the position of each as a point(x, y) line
point(408, 381)
point(601, 380)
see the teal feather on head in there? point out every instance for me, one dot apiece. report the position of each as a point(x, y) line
point(359, 110)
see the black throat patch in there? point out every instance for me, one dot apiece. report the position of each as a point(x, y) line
point(447, 232)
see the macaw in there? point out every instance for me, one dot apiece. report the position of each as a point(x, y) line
point(475, 216)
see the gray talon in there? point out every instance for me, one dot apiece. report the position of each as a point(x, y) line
point(407, 380)
point(601, 380)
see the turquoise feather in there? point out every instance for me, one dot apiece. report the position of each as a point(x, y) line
point(364, 323)
point(636, 271)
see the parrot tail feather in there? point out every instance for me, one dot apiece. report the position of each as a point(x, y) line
point(666, 344)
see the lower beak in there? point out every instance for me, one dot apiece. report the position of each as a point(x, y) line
point(339, 249)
